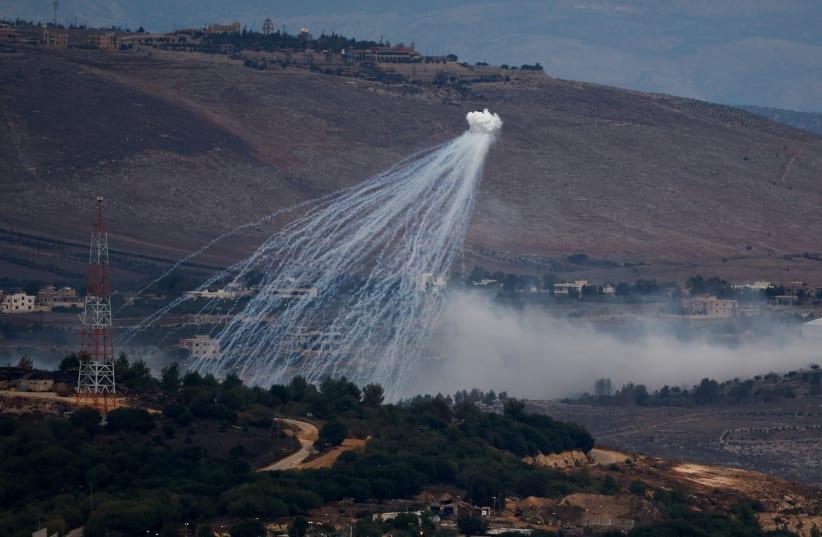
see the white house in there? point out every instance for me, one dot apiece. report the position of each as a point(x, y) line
point(201, 346)
point(565, 288)
point(17, 303)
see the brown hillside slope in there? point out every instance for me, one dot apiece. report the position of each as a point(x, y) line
point(187, 146)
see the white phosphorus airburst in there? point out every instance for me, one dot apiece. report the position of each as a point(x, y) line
point(371, 260)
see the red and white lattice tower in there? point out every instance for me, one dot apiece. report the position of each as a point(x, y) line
point(95, 381)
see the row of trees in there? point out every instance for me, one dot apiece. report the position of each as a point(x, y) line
point(247, 40)
point(708, 392)
point(512, 284)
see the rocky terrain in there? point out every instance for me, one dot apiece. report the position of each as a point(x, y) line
point(187, 146)
point(783, 438)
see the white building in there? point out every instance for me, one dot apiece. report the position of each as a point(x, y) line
point(709, 307)
point(201, 346)
point(50, 297)
point(295, 292)
point(755, 286)
point(565, 288)
point(229, 292)
point(17, 303)
point(315, 343)
point(429, 282)
point(608, 289)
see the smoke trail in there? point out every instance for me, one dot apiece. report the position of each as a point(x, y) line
point(354, 286)
point(242, 227)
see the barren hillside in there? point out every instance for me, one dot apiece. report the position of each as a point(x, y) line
point(188, 146)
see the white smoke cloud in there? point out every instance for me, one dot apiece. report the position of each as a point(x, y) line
point(484, 121)
point(532, 355)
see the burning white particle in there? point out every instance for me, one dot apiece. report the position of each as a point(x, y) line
point(483, 121)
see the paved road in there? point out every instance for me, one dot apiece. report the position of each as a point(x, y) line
point(306, 434)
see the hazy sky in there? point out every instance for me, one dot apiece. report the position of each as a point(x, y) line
point(762, 52)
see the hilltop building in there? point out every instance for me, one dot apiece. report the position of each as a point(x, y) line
point(7, 32)
point(201, 346)
point(797, 289)
point(55, 39)
point(230, 291)
point(429, 282)
point(709, 307)
point(35, 382)
point(49, 298)
point(105, 41)
point(567, 287)
point(232, 28)
point(17, 303)
point(268, 27)
point(311, 344)
point(755, 286)
point(608, 289)
point(393, 54)
point(295, 292)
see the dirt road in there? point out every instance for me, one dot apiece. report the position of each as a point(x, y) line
point(306, 434)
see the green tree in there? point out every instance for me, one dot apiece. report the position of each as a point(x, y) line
point(130, 419)
point(70, 363)
point(298, 388)
point(249, 528)
point(33, 287)
point(513, 408)
point(372, 395)
point(87, 419)
point(472, 525)
point(332, 434)
point(136, 376)
point(638, 487)
point(170, 378)
point(609, 486)
point(707, 392)
point(298, 528)
point(640, 395)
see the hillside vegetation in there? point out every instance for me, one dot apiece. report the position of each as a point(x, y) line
point(150, 472)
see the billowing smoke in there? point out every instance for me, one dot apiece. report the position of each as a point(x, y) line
point(483, 121)
point(531, 354)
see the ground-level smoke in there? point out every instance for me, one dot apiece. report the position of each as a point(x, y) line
point(530, 353)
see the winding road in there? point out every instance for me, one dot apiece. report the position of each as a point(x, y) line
point(306, 434)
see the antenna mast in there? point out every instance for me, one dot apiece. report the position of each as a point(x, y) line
point(95, 381)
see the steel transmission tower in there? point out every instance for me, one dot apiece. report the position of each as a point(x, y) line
point(95, 381)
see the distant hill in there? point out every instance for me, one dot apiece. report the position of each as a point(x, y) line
point(801, 120)
point(187, 146)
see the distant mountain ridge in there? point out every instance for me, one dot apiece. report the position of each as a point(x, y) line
point(807, 121)
point(189, 146)
point(762, 52)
